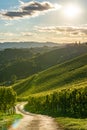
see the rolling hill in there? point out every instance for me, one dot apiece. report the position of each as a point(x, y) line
point(19, 45)
point(24, 67)
point(62, 75)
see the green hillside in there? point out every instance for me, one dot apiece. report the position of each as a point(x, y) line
point(63, 75)
point(12, 61)
point(27, 64)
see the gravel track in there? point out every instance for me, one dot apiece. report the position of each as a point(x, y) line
point(34, 121)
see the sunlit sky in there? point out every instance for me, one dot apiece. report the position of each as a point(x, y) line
point(61, 21)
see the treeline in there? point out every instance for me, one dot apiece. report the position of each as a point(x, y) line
point(70, 102)
point(7, 100)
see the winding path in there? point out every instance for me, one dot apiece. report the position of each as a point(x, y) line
point(34, 121)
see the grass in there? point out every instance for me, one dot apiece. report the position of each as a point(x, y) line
point(57, 77)
point(4, 117)
point(72, 123)
point(8, 119)
point(78, 84)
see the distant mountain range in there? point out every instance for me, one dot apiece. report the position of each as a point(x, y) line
point(26, 44)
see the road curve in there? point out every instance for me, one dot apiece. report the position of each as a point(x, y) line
point(33, 121)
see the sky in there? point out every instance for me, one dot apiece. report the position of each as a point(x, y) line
point(60, 21)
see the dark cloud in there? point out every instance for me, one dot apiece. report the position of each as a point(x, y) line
point(28, 9)
point(36, 6)
point(17, 14)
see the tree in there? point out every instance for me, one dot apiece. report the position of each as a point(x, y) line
point(13, 79)
point(7, 99)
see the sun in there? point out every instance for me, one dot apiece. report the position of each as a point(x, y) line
point(71, 11)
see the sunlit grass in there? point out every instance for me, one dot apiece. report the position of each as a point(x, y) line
point(68, 74)
point(6, 120)
point(5, 117)
point(72, 123)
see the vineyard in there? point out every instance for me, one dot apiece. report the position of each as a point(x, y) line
point(56, 77)
point(70, 101)
point(59, 90)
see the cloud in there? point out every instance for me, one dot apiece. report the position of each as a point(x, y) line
point(21, 2)
point(29, 9)
point(65, 30)
point(26, 34)
point(8, 24)
point(9, 34)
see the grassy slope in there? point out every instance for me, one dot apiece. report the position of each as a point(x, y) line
point(63, 75)
point(26, 67)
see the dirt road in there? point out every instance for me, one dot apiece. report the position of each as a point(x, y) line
point(33, 121)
